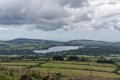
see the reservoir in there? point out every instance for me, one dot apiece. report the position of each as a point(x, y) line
point(58, 48)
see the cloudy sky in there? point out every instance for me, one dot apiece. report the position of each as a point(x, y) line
point(60, 20)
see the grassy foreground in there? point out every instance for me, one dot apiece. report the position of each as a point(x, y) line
point(13, 70)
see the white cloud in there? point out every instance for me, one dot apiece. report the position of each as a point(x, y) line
point(55, 14)
point(3, 29)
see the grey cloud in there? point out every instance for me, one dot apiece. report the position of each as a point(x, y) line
point(41, 13)
point(74, 3)
point(55, 14)
point(117, 28)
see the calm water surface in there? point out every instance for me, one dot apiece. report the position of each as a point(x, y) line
point(58, 48)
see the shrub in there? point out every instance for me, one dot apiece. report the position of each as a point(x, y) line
point(37, 76)
point(25, 77)
point(3, 77)
point(73, 58)
point(105, 61)
point(58, 75)
point(58, 58)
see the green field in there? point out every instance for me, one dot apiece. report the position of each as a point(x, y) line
point(66, 68)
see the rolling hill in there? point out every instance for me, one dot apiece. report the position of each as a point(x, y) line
point(92, 43)
point(25, 40)
point(26, 46)
point(24, 43)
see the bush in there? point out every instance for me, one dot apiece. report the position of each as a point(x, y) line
point(3, 77)
point(11, 73)
point(73, 58)
point(105, 61)
point(58, 58)
point(83, 58)
point(36, 76)
point(58, 75)
point(25, 77)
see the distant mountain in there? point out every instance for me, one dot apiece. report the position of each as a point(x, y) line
point(24, 46)
point(25, 40)
point(92, 43)
point(82, 42)
point(1, 41)
point(32, 44)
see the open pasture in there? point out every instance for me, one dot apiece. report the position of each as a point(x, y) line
point(70, 68)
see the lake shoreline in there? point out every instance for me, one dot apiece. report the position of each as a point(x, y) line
point(57, 48)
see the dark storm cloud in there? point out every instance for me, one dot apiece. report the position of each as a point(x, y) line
point(55, 14)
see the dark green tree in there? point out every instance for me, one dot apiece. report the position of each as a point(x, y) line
point(58, 58)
